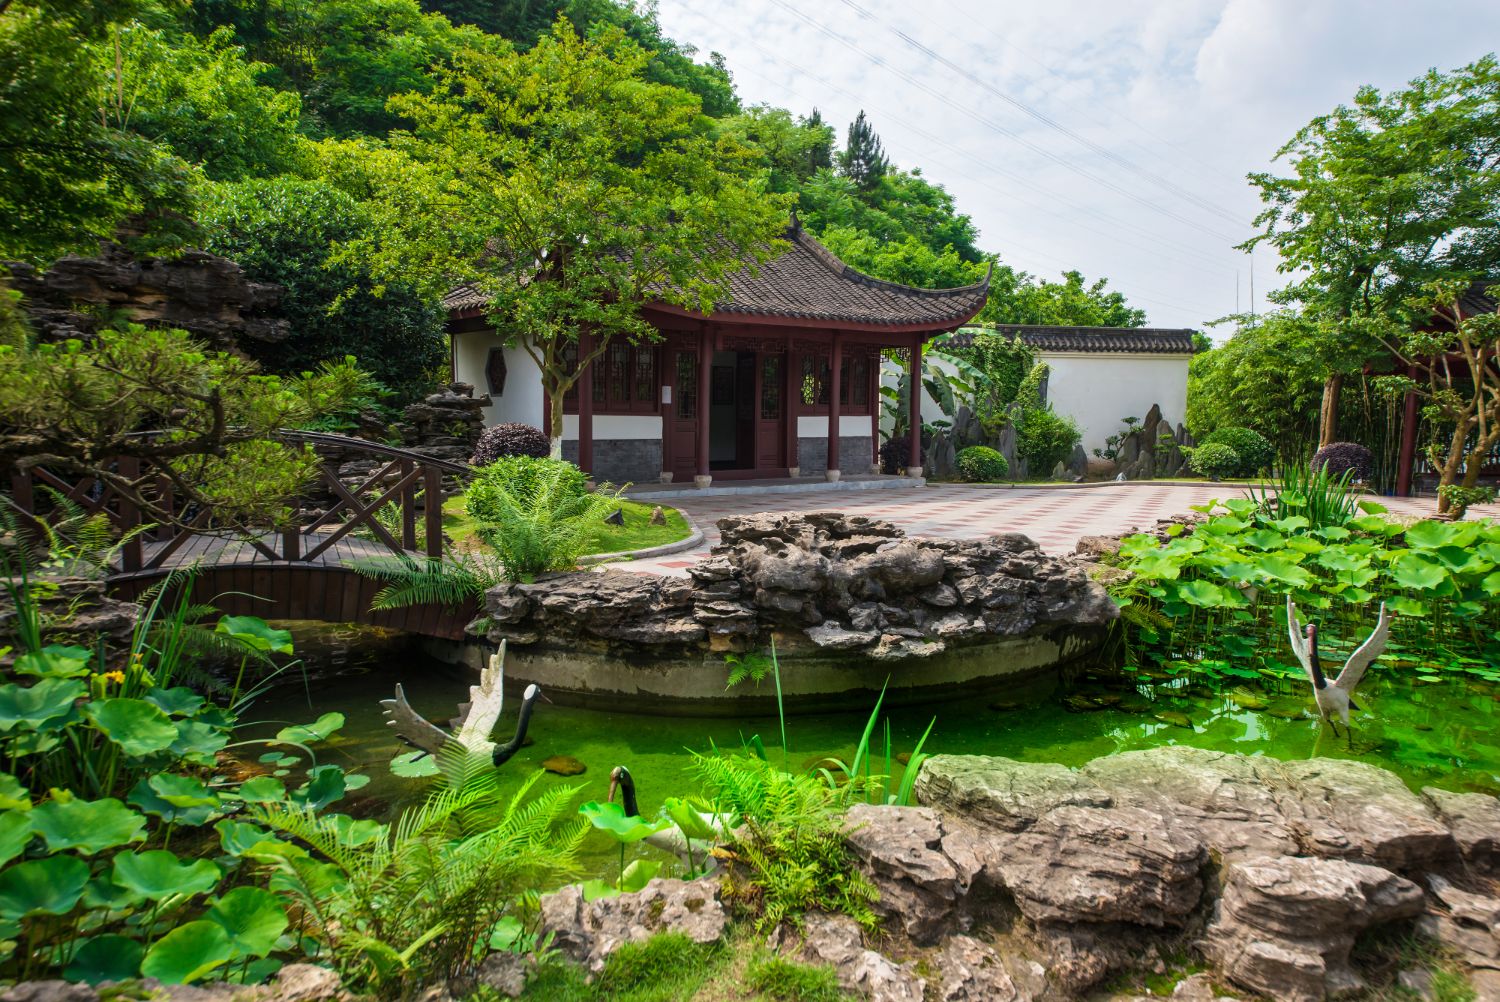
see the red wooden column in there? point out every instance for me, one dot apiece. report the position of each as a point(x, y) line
point(1406, 463)
point(705, 393)
point(873, 391)
point(914, 456)
point(835, 388)
point(586, 406)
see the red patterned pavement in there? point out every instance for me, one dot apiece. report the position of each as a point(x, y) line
point(1054, 518)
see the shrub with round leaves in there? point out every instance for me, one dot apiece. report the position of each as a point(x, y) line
point(1338, 458)
point(1215, 460)
point(979, 464)
point(512, 439)
point(1254, 449)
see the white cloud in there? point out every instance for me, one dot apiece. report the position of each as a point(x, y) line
point(1196, 92)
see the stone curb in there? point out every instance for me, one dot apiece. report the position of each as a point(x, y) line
point(694, 538)
point(1022, 486)
point(820, 487)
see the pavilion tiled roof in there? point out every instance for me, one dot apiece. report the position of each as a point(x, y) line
point(807, 282)
point(1107, 340)
point(1479, 297)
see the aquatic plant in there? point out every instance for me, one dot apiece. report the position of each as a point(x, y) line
point(1214, 599)
point(1321, 496)
point(400, 906)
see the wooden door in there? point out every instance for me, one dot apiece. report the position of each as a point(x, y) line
point(770, 411)
point(680, 417)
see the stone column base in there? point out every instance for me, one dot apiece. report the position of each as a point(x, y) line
point(666, 476)
point(701, 482)
point(913, 471)
point(832, 476)
point(794, 472)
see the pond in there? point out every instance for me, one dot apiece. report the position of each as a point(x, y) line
point(1445, 734)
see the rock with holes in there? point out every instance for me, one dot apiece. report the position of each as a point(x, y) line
point(922, 867)
point(968, 970)
point(589, 931)
point(1001, 793)
point(1474, 820)
point(1466, 921)
point(836, 941)
point(1284, 926)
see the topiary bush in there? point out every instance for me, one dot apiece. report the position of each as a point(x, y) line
point(1215, 460)
point(1045, 438)
point(979, 464)
point(511, 439)
point(1254, 449)
point(1339, 458)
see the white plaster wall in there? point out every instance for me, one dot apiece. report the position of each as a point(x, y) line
point(816, 425)
point(1097, 390)
point(615, 426)
point(1100, 390)
point(522, 400)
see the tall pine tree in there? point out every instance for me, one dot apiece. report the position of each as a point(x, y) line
point(863, 160)
point(820, 154)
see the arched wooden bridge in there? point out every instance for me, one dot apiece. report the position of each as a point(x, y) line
point(301, 571)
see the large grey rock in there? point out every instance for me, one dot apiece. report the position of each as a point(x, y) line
point(49, 991)
point(589, 931)
point(1465, 921)
point(1099, 864)
point(1474, 820)
point(1002, 793)
point(1284, 926)
point(971, 971)
point(846, 583)
point(922, 867)
point(836, 941)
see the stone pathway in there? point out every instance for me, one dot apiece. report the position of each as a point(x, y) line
point(1054, 518)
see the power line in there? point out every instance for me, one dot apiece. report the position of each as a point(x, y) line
point(996, 127)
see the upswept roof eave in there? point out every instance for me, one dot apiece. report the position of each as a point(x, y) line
point(1091, 340)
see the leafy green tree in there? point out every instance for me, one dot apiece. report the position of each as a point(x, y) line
point(1069, 303)
point(569, 191)
point(793, 150)
point(863, 158)
point(1383, 197)
point(70, 174)
point(1247, 381)
point(283, 230)
point(202, 99)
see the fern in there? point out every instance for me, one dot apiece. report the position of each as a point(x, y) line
point(453, 581)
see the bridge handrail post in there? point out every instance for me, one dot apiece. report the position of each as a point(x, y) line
point(408, 510)
point(432, 488)
point(131, 556)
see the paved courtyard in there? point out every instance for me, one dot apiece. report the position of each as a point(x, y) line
point(1054, 518)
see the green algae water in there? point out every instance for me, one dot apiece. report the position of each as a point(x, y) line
point(1444, 734)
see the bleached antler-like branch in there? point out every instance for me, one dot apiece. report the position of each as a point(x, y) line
point(411, 725)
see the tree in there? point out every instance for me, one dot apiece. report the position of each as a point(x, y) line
point(1247, 381)
point(1452, 366)
point(207, 421)
point(1016, 298)
point(863, 159)
point(569, 191)
point(791, 149)
point(1384, 197)
point(283, 230)
point(819, 154)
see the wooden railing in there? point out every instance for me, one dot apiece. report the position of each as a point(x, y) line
point(400, 478)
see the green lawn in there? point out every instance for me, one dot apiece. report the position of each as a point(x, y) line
point(636, 534)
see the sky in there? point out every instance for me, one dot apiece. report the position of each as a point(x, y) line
point(1110, 136)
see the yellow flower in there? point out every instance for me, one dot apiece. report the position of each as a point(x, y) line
point(115, 676)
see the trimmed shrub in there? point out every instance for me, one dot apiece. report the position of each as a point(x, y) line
point(1339, 458)
point(979, 464)
point(1215, 460)
point(1045, 438)
point(1254, 449)
point(513, 439)
point(522, 478)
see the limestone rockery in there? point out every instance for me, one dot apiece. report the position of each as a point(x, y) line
point(845, 583)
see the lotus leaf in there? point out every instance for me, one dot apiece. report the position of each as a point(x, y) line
point(15, 833)
point(688, 819)
point(324, 787)
point(254, 633)
point(1403, 605)
point(178, 701)
point(237, 837)
point(1335, 533)
point(507, 933)
point(262, 790)
point(13, 796)
point(158, 873)
point(414, 765)
point(350, 832)
point(252, 917)
point(611, 817)
point(146, 796)
point(103, 892)
point(1290, 524)
point(1372, 507)
point(50, 886)
point(182, 791)
point(1491, 584)
point(1281, 570)
point(1264, 539)
point(55, 661)
point(188, 952)
point(198, 742)
point(105, 958)
point(319, 730)
point(48, 701)
point(1430, 535)
point(135, 725)
point(87, 826)
point(1203, 594)
point(638, 874)
point(1225, 525)
point(595, 889)
point(1416, 573)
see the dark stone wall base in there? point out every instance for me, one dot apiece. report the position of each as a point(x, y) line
point(856, 454)
point(621, 460)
